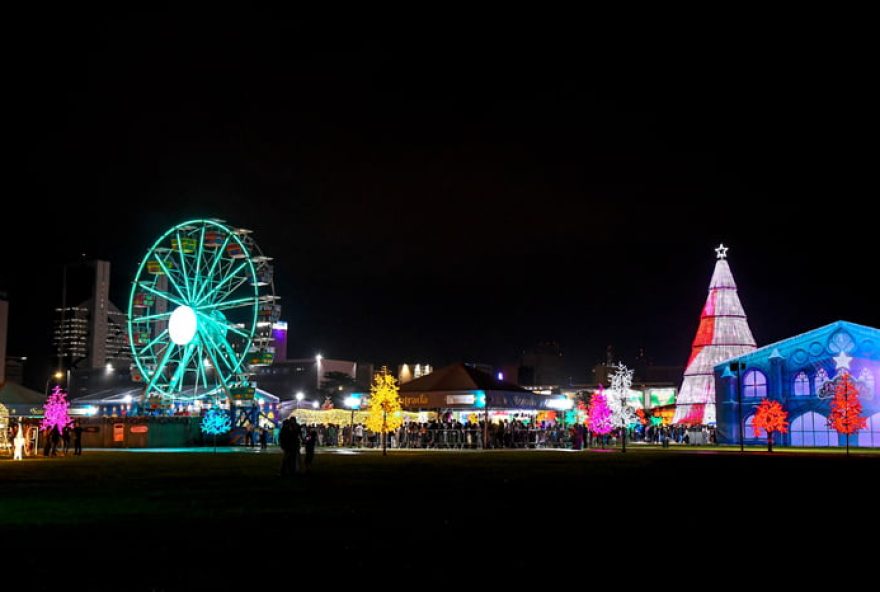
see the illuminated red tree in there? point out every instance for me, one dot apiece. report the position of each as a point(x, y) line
point(770, 417)
point(55, 411)
point(846, 409)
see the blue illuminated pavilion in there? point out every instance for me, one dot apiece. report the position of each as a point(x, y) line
point(801, 373)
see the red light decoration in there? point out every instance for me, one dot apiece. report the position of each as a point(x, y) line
point(770, 417)
point(846, 408)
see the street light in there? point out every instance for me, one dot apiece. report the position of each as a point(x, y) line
point(58, 375)
point(353, 402)
point(299, 397)
point(738, 367)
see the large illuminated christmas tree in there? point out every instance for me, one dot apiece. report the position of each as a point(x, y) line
point(723, 334)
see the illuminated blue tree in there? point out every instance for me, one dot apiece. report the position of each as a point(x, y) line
point(215, 422)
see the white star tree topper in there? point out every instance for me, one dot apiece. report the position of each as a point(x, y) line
point(721, 251)
point(842, 360)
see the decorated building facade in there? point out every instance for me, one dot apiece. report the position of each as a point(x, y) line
point(802, 373)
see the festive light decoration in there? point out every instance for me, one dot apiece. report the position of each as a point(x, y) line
point(723, 334)
point(623, 414)
point(385, 412)
point(640, 413)
point(216, 422)
point(55, 411)
point(770, 417)
point(600, 420)
point(18, 443)
point(201, 312)
point(846, 408)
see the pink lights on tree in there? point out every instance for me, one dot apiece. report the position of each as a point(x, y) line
point(600, 414)
point(55, 410)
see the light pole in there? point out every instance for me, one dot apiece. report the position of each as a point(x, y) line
point(353, 402)
point(58, 375)
point(738, 367)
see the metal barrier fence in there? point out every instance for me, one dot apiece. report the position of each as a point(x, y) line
point(472, 439)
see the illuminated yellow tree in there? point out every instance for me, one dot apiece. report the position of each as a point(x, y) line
point(385, 413)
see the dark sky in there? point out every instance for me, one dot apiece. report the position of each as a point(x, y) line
point(456, 192)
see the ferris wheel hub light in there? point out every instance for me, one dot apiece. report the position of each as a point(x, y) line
point(182, 325)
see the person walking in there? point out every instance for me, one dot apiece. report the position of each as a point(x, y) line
point(264, 438)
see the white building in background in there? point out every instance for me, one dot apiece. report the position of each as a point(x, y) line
point(92, 332)
point(405, 372)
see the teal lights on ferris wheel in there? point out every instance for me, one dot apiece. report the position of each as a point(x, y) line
point(200, 311)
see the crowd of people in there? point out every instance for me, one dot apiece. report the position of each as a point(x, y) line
point(55, 441)
point(503, 434)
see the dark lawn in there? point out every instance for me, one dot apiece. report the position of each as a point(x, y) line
point(178, 512)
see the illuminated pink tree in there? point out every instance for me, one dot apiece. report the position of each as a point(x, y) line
point(601, 420)
point(55, 410)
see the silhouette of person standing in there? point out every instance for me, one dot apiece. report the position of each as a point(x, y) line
point(55, 436)
point(288, 439)
point(77, 440)
point(311, 440)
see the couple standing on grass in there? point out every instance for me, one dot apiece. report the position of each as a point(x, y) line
point(289, 439)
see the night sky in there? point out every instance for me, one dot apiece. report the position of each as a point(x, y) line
point(457, 194)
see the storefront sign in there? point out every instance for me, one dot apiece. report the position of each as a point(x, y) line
point(479, 399)
point(118, 432)
point(139, 429)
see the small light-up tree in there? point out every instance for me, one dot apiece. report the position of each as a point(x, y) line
point(770, 417)
point(385, 412)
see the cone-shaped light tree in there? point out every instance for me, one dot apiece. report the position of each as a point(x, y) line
point(723, 334)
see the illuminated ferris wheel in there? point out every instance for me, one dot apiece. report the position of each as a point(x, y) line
point(200, 313)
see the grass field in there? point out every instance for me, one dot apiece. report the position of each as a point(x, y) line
point(175, 511)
